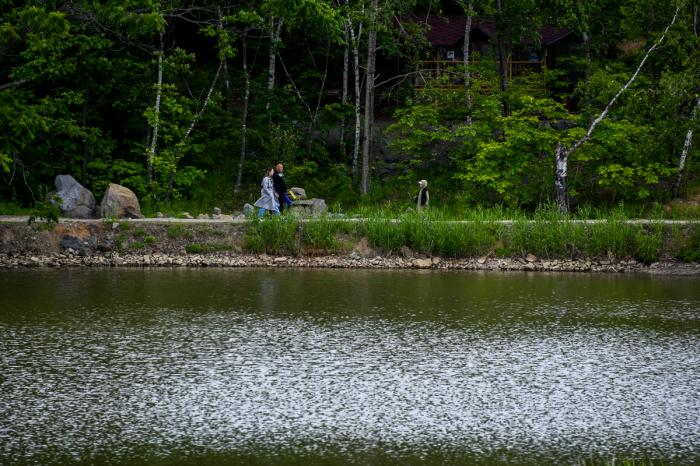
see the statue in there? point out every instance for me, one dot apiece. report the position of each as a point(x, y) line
point(423, 197)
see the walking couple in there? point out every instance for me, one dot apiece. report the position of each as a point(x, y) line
point(273, 192)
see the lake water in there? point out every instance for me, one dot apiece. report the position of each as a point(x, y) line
point(196, 366)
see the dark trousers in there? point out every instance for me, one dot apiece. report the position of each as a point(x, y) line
point(284, 201)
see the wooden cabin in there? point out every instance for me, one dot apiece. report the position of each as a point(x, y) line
point(445, 34)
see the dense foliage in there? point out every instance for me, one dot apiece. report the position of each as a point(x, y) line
point(179, 99)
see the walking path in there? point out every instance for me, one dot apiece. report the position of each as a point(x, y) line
point(167, 220)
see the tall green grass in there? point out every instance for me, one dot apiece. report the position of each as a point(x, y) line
point(273, 235)
point(546, 234)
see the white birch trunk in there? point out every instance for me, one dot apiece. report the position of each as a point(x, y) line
point(156, 116)
point(244, 117)
point(275, 34)
point(467, 76)
point(684, 153)
point(358, 118)
point(369, 98)
point(194, 122)
point(562, 153)
point(344, 96)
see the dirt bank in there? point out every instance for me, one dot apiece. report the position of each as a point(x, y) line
point(183, 244)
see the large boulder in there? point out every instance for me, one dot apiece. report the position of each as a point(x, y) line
point(120, 202)
point(318, 206)
point(248, 210)
point(76, 200)
point(300, 193)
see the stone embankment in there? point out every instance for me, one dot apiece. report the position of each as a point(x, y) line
point(207, 244)
point(352, 261)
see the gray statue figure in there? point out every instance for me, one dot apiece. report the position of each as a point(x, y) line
point(423, 197)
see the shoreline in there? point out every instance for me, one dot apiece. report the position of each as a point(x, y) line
point(224, 244)
point(232, 260)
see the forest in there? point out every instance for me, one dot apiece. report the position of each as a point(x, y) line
point(186, 102)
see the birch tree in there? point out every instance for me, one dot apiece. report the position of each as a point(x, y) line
point(468, 8)
point(687, 144)
point(562, 152)
point(355, 43)
point(369, 96)
point(156, 114)
point(275, 39)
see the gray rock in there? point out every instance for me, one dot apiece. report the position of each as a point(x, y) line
point(186, 215)
point(216, 211)
point(120, 202)
point(248, 210)
point(422, 263)
point(318, 206)
point(160, 215)
point(71, 243)
point(203, 217)
point(76, 200)
point(299, 192)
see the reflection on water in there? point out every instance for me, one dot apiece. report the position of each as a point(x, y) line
point(129, 364)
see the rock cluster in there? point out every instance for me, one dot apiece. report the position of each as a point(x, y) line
point(113, 259)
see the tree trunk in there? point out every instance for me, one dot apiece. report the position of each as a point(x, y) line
point(195, 120)
point(562, 153)
point(244, 118)
point(562, 162)
point(321, 90)
point(358, 118)
point(501, 38)
point(86, 150)
point(587, 69)
point(274, 43)
point(156, 115)
point(344, 96)
point(227, 79)
point(467, 76)
point(677, 188)
point(369, 98)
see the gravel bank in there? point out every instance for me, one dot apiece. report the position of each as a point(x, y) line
point(115, 259)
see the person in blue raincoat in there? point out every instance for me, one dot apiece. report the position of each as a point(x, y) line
point(268, 196)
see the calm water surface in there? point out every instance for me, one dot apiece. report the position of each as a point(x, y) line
point(198, 365)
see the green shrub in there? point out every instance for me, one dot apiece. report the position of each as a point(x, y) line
point(648, 243)
point(174, 231)
point(690, 249)
point(383, 234)
point(149, 239)
point(321, 234)
point(48, 211)
point(273, 235)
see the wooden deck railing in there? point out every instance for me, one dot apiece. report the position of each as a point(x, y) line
point(450, 73)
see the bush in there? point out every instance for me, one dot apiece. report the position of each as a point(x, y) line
point(690, 250)
point(274, 235)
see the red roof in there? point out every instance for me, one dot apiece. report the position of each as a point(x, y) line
point(449, 30)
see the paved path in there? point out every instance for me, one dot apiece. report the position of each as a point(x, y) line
point(167, 220)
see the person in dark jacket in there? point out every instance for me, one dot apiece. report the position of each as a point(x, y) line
point(281, 187)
